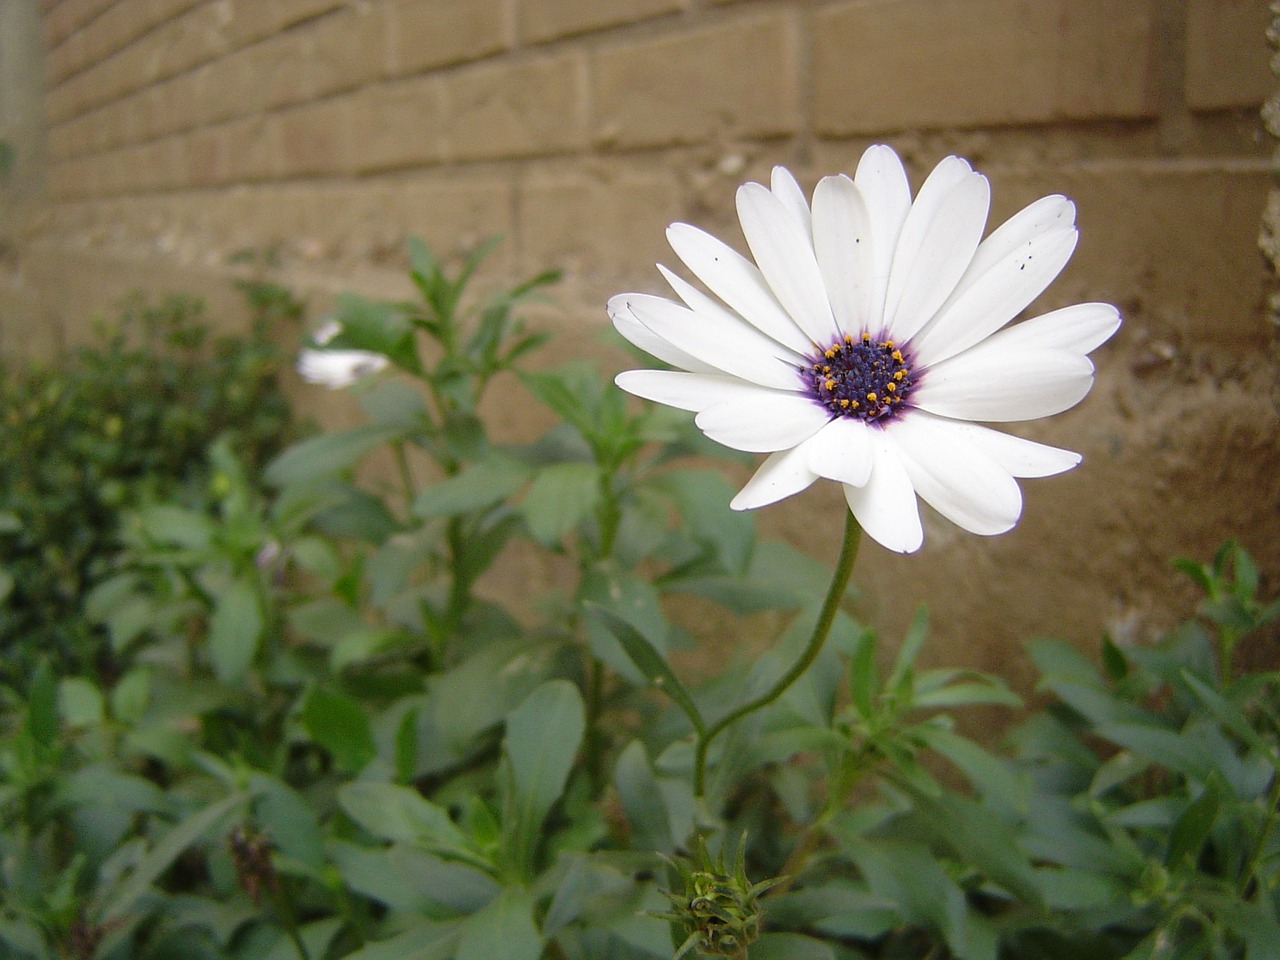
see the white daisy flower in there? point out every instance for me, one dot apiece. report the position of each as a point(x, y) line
point(335, 369)
point(866, 339)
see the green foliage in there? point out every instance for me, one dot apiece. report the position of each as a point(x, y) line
point(329, 735)
point(121, 421)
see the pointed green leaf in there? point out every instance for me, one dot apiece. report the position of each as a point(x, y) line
point(543, 736)
point(339, 724)
point(502, 930)
point(328, 453)
point(160, 857)
point(480, 485)
point(561, 497)
point(1193, 826)
point(234, 631)
point(649, 662)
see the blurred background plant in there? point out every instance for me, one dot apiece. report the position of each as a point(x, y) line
point(123, 420)
point(312, 728)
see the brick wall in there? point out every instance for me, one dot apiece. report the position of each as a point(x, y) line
point(180, 131)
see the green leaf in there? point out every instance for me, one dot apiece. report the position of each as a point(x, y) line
point(543, 736)
point(502, 930)
point(983, 689)
point(702, 498)
point(649, 662)
point(424, 941)
point(642, 800)
point(234, 630)
point(395, 402)
point(288, 819)
point(129, 697)
point(401, 814)
point(790, 946)
point(561, 497)
point(902, 674)
point(1165, 747)
point(573, 390)
point(160, 857)
point(80, 702)
point(328, 453)
point(175, 526)
point(863, 674)
point(478, 486)
point(1193, 825)
point(378, 326)
point(1230, 716)
point(632, 599)
point(339, 724)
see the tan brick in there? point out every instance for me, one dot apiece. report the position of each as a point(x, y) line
point(397, 124)
point(1165, 235)
point(547, 19)
point(895, 64)
point(606, 226)
point(252, 149)
point(264, 76)
point(453, 213)
point(735, 79)
point(1227, 54)
point(66, 58)
point(515, 109)
point(433, 33)
point(344, 49)
point(315, 139)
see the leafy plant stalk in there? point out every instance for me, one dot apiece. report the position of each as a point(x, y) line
point(827, 616)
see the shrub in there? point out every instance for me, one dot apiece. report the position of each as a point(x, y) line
point(122, 420)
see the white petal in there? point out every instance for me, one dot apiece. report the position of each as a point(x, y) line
point(686, 391)
point(625, 322)
point(785, 188)
point(1081, 327)
point(886, 506)
point(762, 422)
point(1000, 385)
point(841, 451)
point(882, 182)
point(955, 477)
point(1019, 456)
point(699, 302)
point(325, 332)
point(738, 282)
point(784, 254)
point(781, 475)
point(937, 245)
point(336, 369)
point(1010, 269)
point(844, 246)
point(722, 340)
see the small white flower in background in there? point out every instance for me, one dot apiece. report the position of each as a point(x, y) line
point(868, 336)
point(335, 368)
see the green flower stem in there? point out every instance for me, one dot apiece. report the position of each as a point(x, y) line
point(839, 582)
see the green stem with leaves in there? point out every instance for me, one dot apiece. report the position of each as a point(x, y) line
point(826, 617)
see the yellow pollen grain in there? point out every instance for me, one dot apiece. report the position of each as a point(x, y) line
point(844, 403)
point(897, 354)
point(872, 397)
point(830, 353)
point(899, 374)
point(830, 384)
point(891, 386)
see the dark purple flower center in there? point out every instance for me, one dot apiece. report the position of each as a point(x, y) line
point(864, 378)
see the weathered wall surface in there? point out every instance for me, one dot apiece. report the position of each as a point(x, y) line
point(180, 131)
